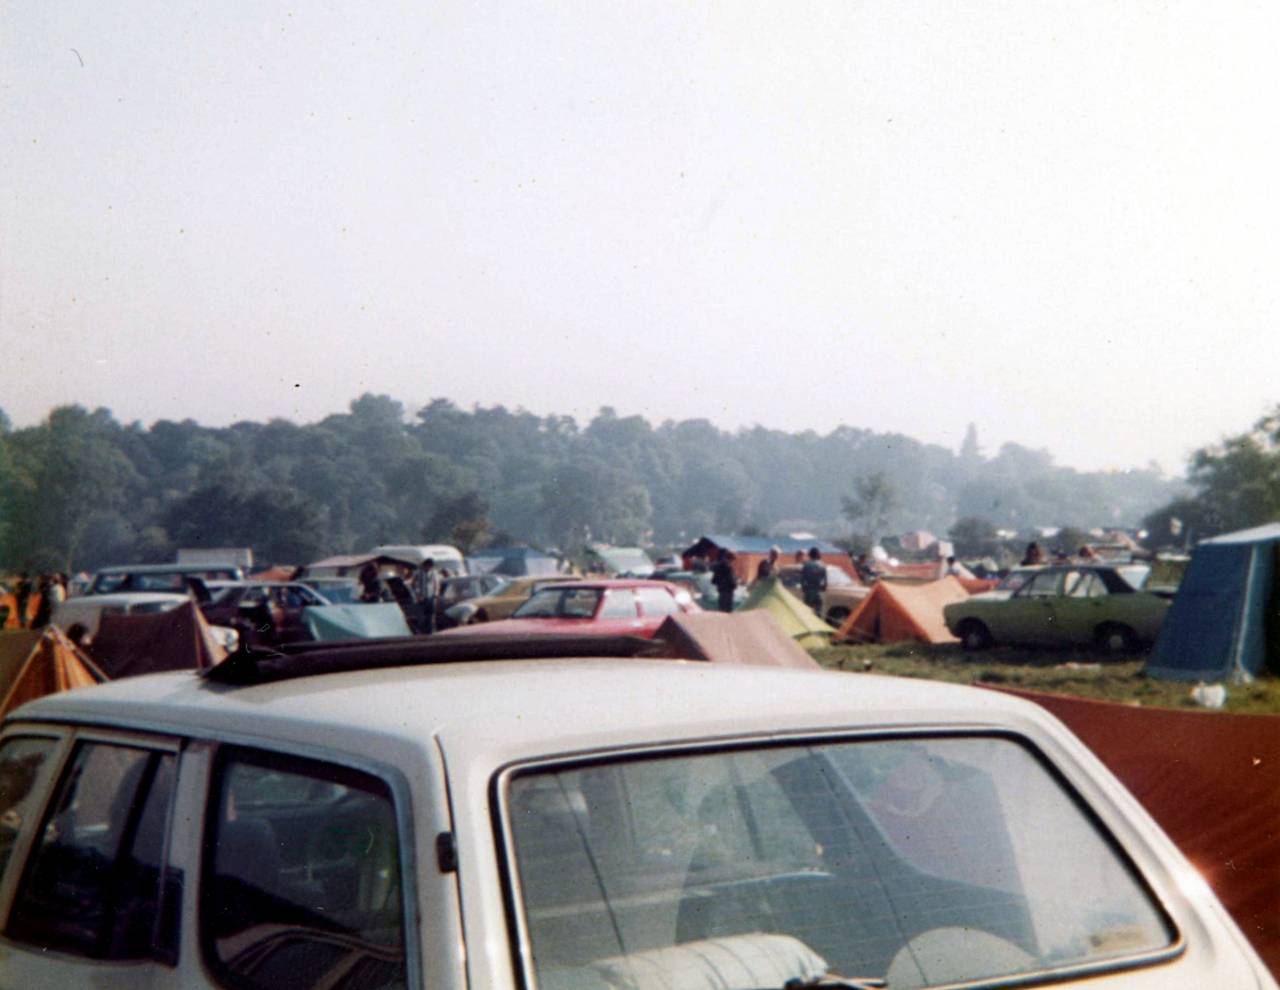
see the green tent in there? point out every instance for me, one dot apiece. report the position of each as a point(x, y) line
point(795, 617)
point(330, 623)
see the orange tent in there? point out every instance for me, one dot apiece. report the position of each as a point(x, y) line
point(895, 612)
point(37, 662)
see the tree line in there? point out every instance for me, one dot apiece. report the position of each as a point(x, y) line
point(80, 489)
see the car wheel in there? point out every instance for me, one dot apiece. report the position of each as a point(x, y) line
point(1115, 639)
point(974, 635)
point(480, 616)
point(837, 616)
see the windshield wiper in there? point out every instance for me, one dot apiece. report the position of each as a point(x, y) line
point(831, 981)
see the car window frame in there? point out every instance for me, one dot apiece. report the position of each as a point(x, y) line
point(1147, 868)
point(391, 777)
point(72, 737)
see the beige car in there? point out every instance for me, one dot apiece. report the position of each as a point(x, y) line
point(501, 603)
point(842, 596)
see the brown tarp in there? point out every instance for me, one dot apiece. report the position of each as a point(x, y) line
point(39, 662)
point(1212, 781)
point(178, 639)
point(753, 638)
point(894, 612)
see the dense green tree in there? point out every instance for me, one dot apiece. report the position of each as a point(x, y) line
point(871, 506)
point(974, 536)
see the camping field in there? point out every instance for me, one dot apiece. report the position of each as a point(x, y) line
point(1076, 672)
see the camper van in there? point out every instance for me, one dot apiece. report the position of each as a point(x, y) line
point(445, 556)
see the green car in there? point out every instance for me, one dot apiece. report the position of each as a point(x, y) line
point(1066, 605)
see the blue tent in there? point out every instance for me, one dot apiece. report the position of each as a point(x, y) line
point(1224, 613)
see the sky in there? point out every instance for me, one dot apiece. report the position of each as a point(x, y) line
point(1057, 221)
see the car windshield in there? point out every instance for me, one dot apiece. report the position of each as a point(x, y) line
point(918, 862)
point(560, 603)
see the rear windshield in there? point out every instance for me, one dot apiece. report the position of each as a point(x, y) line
point(921, 862)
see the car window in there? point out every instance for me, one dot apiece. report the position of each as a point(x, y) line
point(105, 584)
point(21, 760)
point(619, 603)
point(158, 582)
point(1135, 575)
point(836, 578)
point(302, 886)
point(657, 601)
point(919, 862)
point(1046, 584)
point(93, 884)
point(569, 603)
point(1087, 585)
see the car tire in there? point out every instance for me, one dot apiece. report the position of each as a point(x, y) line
point(1116, 639)
point(837, 616)
point(974, 634)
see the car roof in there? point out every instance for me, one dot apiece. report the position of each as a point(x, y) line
point(605, 583)
point(165, 568)
point(529, 707)
point(126, 598)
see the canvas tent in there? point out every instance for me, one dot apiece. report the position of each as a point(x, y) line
point(749, 638)
point(37, 662)
point(894, 612)
point(748, 551)
point(330, 623)
point(794, 616)
point(1225, 612)
point(513, 562)
point(179, 639)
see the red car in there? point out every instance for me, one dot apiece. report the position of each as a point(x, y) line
point(620, 607)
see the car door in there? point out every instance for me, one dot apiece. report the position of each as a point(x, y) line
point(1027, 617)
point(1080, 608)
point(88, 895)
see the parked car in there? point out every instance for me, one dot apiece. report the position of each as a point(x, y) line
point(456, 590)
point(501, 602)
point(244, 604)
point(601, 824)
point(842, 596)
point(158, 577)
point(1064, 605)
point(624, 606)
point(338, 590)
point(87, 611)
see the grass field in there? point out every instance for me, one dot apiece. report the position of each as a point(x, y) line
point(1078, 672)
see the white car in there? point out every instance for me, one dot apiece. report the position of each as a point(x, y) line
point(87, 610)
point(406, 815)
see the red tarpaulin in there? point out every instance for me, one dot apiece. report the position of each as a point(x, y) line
point(1212, 781)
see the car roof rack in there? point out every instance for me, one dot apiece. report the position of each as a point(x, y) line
point(257, 666)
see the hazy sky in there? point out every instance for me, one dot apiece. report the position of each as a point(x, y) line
point(1056, 220)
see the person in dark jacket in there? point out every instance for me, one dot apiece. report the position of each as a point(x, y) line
point(813, 580)
point(722, 577)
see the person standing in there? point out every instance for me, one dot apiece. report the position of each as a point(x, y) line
point(722, 577)
point(771, 566)
point(813, 580)
point(426, 588)
point(370, 583)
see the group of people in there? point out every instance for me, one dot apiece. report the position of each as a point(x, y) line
point(813, 575)
point(47, 591)
point(422, 583)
